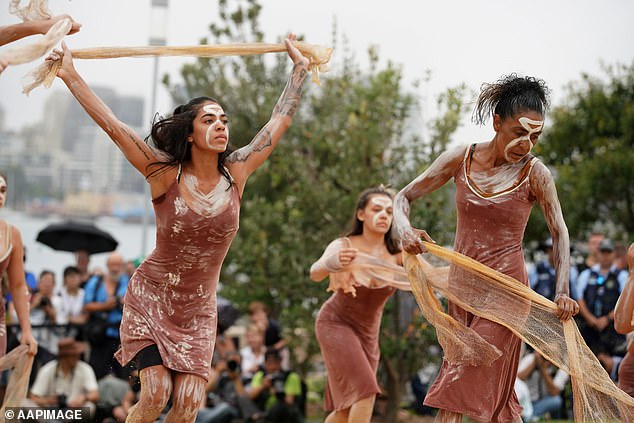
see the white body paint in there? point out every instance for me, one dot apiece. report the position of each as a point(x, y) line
point(532, 126)
point(210, 204)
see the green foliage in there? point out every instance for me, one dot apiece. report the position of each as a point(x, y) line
point(590, 146)
point(349, 133)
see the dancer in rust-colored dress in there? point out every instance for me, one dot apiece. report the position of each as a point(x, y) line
point(169, 316)
point(347, 326)
point(624, 323)
point(496, 185)
point(11, 262)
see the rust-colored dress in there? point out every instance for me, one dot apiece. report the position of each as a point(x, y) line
point(489, 230)
point(347, 329)
point(171, 298)
point(626, 369)
point(7, 248)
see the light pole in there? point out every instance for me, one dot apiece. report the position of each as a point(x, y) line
point(158, 36)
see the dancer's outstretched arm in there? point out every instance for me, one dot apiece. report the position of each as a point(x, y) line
point(135, 150)
point(435, 176)
point(14, 32)
point(243, 162)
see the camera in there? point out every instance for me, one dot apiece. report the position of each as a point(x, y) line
point(232, 365)
point(278, 382)
point(61, 400)
point(45, 302)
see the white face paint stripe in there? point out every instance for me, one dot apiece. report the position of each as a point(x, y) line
point(532, 126)
point(214, 110)
point(385, 203)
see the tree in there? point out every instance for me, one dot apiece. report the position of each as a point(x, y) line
point(590, 146)
point(348, 134)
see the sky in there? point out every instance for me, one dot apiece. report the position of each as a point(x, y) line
point(456, 41)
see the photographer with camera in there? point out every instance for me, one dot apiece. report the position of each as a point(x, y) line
point(276, 393)
point(224, 389)
point(103, 301)
point(67, 381)
point(44, 305)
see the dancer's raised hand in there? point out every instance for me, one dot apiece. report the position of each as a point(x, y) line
point(293, 52)
point(67, 67)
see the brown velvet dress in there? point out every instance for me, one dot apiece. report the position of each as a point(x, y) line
point(489, 230)
point(626, 372)
point(171, 298)
point(347, 329)
point(7, 248)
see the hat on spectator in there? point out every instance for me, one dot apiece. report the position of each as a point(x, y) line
point(68, 346)
point(606, 245)
point(546, 244)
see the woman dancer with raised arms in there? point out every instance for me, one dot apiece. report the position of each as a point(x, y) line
point(169, 317)
point(497, 183)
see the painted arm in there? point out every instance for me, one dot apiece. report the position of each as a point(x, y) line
point(436, 175)
point(624, 310)
point(132, 146)
point(336, 256)
point(244, 161)
point(11, 33)
point(17, 286)
point(544, 189)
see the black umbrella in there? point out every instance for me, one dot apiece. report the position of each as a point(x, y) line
point(74, 236)
point(227, 314)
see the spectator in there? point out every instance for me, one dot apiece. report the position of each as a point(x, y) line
point(545, 383)
point(67, 381)
point(276, 393)
point(592, 245)
point(259, 315)
point(71, 299)
point(253, 353)
point(130, 268)
point(103, 301)
point(542, 276)
point(598, 289)
point(224, 389)
point(44, 306)
point(620, 256)
point(82, 261)
point(114, 397)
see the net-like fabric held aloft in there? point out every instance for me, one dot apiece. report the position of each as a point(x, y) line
point(318, 56)
point(502, 299)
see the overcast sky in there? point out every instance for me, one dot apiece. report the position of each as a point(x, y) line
point(459, 41)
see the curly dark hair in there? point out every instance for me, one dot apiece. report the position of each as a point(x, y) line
point(357, 226)
point(510, 95)
point(169, 135)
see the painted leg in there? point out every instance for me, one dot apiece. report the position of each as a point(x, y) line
point(361, 411)
point(156, 389)
point(189, 391)
point(445, 416)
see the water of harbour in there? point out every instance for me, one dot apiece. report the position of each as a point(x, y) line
point(40, 256)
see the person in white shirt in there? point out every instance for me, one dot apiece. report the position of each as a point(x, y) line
point(545, 383)
point(71, 298)
point(67, 381)
point(253, 353)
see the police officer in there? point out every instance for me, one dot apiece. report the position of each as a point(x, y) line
point(598, 289)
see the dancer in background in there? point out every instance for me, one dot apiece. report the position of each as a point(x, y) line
point(348, 323)
point(497, 183)
point(169, 317)
point(11, 261)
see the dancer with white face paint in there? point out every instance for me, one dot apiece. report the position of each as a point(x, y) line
point(169, 316)
point(347, 326)
point(11, 262)
point(497, 183)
